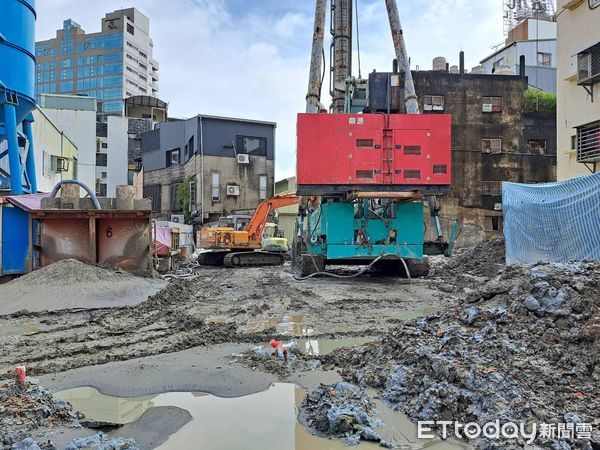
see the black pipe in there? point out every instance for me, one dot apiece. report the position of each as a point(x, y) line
point(395, 65)
point(461, 58)
point(522, 66)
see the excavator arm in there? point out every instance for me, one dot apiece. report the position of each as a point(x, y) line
point(257, 222)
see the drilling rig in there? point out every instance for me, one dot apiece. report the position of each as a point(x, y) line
point(365, 168)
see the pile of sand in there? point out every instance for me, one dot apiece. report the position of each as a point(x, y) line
point(71, 284)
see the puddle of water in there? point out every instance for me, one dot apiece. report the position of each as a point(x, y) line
point(318, 347)
point(266, 420)
point(414, 314)
point(15, 329)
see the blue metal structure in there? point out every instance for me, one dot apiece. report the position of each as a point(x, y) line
point(14, 240)
point(17, 77)
point(364, 230)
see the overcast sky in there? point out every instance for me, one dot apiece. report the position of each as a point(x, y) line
point(250, 58)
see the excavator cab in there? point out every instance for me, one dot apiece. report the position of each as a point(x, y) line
point(272, 240)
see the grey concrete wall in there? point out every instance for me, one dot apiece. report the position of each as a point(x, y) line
point(463, 101)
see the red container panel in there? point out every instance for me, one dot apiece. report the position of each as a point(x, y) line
point(372, 152)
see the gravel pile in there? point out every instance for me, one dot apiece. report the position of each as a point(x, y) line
point(524, 347)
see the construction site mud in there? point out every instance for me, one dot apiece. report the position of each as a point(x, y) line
point(521, 346)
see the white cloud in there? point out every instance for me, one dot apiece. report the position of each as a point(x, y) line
point(218, 57)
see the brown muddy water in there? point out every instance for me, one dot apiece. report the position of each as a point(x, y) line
point(265, 420)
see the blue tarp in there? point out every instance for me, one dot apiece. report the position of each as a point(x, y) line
point(552, 222)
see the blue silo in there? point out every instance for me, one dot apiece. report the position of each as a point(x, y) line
point(17, 101)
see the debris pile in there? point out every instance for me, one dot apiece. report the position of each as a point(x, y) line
point(27, 406)
point(341, 410)
point(524, 347)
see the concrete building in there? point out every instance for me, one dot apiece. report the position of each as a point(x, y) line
point(75, 116)
point(493, 140)
point(110, 65)
point(578, 94)
point(536, 41)
point(230, 163)
point(56, 156)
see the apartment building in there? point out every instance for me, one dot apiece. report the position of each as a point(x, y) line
point(229, 165)
point(578, 93)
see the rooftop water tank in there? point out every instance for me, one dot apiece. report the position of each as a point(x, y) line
point(454, 69)
point(17, 77)
point(439, 63)
point(503, 70)
point(478, 70)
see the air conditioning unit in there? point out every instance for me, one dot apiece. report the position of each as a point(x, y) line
point(177, 218)
point(233, 190)
point(60, 164)
point(243, 158)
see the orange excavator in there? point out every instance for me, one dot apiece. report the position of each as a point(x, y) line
point(243, 248)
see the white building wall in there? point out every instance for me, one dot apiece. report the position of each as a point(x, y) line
point(578, 29)
point(80, 126)
point(117, 141)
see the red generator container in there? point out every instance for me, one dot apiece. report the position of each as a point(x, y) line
point(341, 153)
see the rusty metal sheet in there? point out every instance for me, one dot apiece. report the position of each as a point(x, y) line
point(124, 243)
point(63, 238)
point(28, 202)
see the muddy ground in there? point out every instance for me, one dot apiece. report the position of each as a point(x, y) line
point(201, 335)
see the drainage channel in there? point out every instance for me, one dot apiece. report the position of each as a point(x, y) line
point(265, 420)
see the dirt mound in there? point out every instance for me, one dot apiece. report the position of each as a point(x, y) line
point(524, 347)
point(70, 283)
point(71, 271)
point(484, 260)
point(341, 410)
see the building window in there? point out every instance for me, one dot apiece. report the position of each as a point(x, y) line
point(493, 223)
point(588, 143)
point(573, 142)
point(173, 157)
point(492, 188)
point(491, 145)
point(251, 145)
point(130, 29)
point(433, 102)
point(262, 187)
point(175, 204)
point(544, 59)
point(216, 186)
point(104, 145)
point(46, 165)
point(101, 159)
point(491, 104)
point(588, 66)
point(102, 190)
point(103, 175)
point(192, 194)
point(153, 192)
point(536, 146)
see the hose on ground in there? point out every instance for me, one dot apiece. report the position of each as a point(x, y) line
point(360, 272)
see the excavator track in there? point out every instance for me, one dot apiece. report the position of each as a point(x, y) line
point(253, 259)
